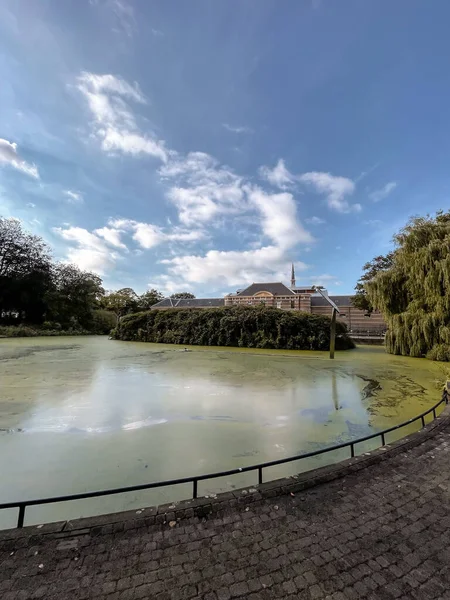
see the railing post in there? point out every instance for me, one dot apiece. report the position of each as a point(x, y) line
point(21, 516)
point(434, 413)
point(260, 475)
point(383, 439)
point(423, 421)
point(194, 493)
point(352, 450)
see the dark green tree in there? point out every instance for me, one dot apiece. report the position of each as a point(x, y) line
point(380, 263)
point(182, 295)
point(25, 273)
point(122, 302)
point(74, 296)
point(148, 299)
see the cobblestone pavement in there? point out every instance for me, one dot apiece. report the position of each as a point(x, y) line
point(381, 533)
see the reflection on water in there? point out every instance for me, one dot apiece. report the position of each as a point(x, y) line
point(79, 414)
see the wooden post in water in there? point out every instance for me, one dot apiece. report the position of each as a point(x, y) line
point(333, 333)
point(319, 288)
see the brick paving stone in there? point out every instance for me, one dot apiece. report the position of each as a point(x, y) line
point(378, 533)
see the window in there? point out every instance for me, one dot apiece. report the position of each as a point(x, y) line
point(279, 303)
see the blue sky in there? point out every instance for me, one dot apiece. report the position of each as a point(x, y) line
point(204, 145)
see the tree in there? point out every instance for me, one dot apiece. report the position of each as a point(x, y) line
point(149, 298)
point(25, 273)
point(182, 295)
point(74, 296)
point(122, 302)
point(413, 294)
point(371, 269)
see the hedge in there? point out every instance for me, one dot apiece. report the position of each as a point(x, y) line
point(239, 326)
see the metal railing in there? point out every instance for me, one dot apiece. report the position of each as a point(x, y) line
point(21, 505)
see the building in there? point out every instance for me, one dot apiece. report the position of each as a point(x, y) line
point(357, 321)
point(279, 295)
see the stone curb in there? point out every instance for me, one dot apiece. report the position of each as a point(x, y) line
point(202, 507)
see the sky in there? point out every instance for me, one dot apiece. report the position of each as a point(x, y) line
point(202, 146)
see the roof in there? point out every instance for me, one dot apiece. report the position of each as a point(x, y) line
point(277, 289)
point(189, 303)
point(338, 300)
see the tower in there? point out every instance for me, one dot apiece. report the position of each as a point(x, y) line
point(292, 276)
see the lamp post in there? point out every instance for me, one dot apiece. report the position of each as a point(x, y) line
point(335, 311)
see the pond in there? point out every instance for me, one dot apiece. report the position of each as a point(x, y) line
point(87, 413)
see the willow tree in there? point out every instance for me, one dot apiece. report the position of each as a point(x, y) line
point(414, 293)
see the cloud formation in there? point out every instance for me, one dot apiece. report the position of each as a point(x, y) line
point(112, 236)
point(74, 197)
point(384, 192)
point(91, 252)
point(335, 188)
point(148, 235)
point(222, 269)
point(315, 221)
point(114, 123)
point(206, 195)
point(203, 188)
point(279, 176)
point(279, 218)
point(9, 156)
point(237, 128)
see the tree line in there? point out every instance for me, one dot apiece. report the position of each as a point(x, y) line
point(410, 286)
point(36, 290)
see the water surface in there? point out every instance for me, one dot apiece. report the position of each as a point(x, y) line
point(85, 413)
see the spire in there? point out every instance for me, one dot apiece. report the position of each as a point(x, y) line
point(293, 276)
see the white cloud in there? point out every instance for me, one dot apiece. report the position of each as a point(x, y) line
point(203, 188)
point(229, 268)
point(111, 83)
point(335, 188)
point(91, 253)
point(237, 128)
point(31, 205)
point(132, 143)
point(74, 197)
point(279, 218)
point(111, 235)
point(315, 221)
point(9, 156)
point(384, 192)
point(279, 176)
point(114, 122)
point(148, 235)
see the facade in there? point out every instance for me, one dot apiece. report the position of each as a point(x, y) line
point(357, 321)
point(275, 294)
point(278, 295)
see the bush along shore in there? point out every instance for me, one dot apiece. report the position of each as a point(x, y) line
point(101, 323)
point(239, 326)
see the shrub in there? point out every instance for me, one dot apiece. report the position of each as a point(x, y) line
point(439, 352)
point(102, 322)
point(241, 326)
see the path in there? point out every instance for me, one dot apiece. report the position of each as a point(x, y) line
point(381, 533)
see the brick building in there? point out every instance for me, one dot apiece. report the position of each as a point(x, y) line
point(279, 295)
